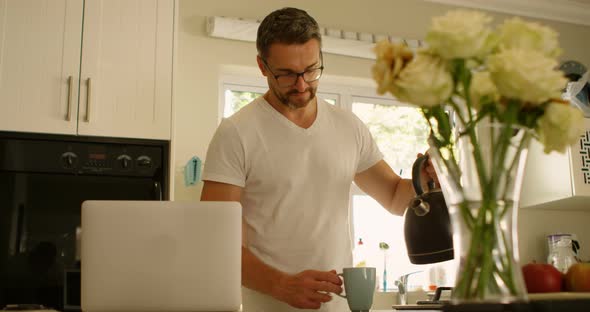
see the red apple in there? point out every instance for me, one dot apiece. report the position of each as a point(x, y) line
point(577, 277)
point(541, 278)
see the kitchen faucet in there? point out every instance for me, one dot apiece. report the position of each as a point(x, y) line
point(402, 287)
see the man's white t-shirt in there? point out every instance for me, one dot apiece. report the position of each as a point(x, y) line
point(296, 185)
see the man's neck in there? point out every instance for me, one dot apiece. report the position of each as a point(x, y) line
point(303, 117)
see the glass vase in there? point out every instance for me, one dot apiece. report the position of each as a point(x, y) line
point(481, 176)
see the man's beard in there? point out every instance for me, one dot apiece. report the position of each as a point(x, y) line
point(284, 98)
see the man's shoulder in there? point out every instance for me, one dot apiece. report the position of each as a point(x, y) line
point(339, 113)
point(246, 115)
point(247, 110)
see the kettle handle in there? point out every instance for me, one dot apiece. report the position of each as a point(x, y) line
point(416, 168)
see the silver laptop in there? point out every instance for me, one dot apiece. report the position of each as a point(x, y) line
point(161, 256)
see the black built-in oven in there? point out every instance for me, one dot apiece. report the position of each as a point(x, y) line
point(43, 181)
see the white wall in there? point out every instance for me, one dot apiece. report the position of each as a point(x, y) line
point(200, 61)
point(536, 224)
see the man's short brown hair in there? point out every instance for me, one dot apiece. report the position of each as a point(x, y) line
point(287, 25)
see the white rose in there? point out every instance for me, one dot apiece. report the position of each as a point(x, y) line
point(461, 34)
point(425, 81)
point(526, 75)
point(560, 126)
point(482, 86)
point(517, 34)
point(391, 58)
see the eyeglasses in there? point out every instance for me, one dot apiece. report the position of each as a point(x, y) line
point(290, 79)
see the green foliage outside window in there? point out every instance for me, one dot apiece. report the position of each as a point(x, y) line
point(239, 99)
point(400, 132)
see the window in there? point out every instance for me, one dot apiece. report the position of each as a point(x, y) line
point(401, 132)
point(237, 96)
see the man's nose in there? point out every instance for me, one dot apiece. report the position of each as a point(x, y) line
point(300, 84)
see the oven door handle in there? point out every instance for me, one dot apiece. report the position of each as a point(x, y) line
point(20, 235)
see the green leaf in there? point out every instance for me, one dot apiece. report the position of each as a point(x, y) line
point(456, 67)
point(383, 246)
point(465, 77)
point(444, 125)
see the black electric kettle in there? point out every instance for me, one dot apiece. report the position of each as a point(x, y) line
point(427, 227)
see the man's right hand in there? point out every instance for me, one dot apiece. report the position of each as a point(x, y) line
point(308, 289)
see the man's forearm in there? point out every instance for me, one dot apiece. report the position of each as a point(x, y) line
point(259, 276)
point(403, 193)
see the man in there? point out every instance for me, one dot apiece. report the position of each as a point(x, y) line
point(290, 159)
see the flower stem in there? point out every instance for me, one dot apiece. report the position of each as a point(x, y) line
point(523, 142)
point(506, 274)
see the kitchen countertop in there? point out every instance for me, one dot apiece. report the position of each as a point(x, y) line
point(407, 310)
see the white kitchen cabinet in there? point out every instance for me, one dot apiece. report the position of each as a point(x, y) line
point(118, 54)
point(558, 181)
point(39, 65)
point(126, 68)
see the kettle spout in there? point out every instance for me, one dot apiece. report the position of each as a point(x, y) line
point(420, 207)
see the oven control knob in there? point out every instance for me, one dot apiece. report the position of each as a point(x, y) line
point(124, 161)
point(144, 162)
point(69, 160)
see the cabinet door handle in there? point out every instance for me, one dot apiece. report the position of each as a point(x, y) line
point(70, 90)
point(158, 191)
point(88, 98)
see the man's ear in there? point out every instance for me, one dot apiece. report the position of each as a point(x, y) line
point(261, 65)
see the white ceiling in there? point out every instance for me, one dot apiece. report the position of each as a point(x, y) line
point(569, 11)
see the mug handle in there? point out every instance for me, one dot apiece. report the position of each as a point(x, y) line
point(343, 296)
